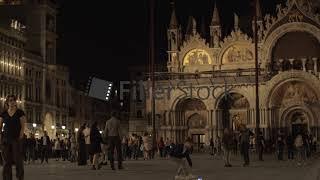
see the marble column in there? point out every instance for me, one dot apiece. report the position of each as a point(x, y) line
point(304, 61)
point(291, 63)
point(280, 65)
point(315, 65)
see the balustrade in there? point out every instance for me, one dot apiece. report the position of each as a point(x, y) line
point(307, 65)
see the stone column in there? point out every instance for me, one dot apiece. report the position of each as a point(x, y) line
point(304, 61)
point(315, 65)
point(291, 63)
point(281, 65)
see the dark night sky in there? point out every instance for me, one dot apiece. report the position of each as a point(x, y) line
point(103, 38)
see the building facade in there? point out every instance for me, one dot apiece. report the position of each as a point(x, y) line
point(29, 69)
point(86, 110)
point(210, 83)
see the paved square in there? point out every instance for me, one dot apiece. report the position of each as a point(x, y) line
point(204, 166)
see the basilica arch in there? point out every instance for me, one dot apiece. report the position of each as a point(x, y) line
point(273, 38)
point(294, 101)
point(191, 116)
point(233, 109)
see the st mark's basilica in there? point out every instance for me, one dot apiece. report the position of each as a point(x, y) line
point(211, 83)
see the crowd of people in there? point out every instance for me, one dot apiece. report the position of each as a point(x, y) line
point(91, 147)
point(298, 147)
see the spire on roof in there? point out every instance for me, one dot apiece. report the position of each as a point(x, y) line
point(258, 10)
point(192, 26)
point(173, 20)
point(236, 21)
point(215, 18)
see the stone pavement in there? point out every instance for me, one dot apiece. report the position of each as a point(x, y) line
point(204, 166)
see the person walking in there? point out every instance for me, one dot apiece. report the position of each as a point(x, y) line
point(86, 133)
point(73, 148)
point(14, 121)
point(245, 135)
point(300, 149)
point(161, 147)
point(227, 144)
point(95, 142)
point(57, 149)
point(31, 148)
point(280, 146)
point(290, 147)
point(147, 146)
point(45, 147)
point(112, 131)
point(82, 156)
point(261, 146)
point(124, 146)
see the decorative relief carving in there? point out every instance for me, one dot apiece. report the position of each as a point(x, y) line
point(295, 10)
point(238, 54)
point(236, 36)
point(294, 92)
point(174, 59)
point(197, 57)
point(196, 122)
point(295, 16)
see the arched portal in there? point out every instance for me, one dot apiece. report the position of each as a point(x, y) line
point(297, 122)
point(233, 107)
point(294, 104)
point(192, 118)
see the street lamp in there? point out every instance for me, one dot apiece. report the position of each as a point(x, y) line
point(63, 127)
point(76, 129)
point(52, 127)
point(34, 125)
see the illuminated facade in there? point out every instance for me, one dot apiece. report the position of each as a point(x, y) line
point(212, 86)
point(28, 65)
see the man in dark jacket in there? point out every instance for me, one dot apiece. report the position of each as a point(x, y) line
point(45, 147)
point(245, 143)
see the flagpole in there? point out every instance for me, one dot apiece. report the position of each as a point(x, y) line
point(153, 113)
point(256, 74)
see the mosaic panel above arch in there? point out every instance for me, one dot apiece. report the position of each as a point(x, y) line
point(197, 57)
point(196, 121)
point(293, 92)
point(238, 53)
point(191, 104)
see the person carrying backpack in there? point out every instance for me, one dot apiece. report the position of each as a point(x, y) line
point(180, 153)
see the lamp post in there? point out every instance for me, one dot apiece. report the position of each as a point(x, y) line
point(34, 125)
point(52, 128)
point(256, 74)
point(153, 113)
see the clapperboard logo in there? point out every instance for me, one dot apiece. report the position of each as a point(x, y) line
point(99, 88)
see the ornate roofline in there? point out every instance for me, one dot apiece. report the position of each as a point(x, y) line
point(304, 6)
